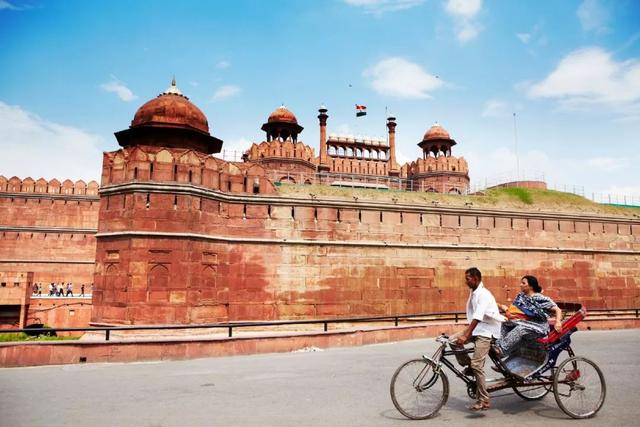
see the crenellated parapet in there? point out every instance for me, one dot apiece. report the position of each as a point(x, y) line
point(42, 186)
point(173, 165)
point(433, 165)
point(283, 156)
point(282, 149)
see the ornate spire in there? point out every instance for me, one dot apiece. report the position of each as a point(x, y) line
point(173, 89)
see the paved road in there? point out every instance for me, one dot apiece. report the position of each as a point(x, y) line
point(335, 387)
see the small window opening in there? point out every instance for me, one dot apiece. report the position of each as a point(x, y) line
point(135, 173)
point(148, 201)
point(175, 172)
point(190, 176)
point(151, 171)
point(175, 202)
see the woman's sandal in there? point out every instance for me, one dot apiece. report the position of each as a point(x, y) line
point(480, 406)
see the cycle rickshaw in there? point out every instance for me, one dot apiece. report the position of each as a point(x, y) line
point(420, 387)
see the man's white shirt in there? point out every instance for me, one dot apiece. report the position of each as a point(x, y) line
point(482, 306)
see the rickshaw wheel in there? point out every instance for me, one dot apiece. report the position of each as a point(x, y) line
point(579, 387)
point(419, 388)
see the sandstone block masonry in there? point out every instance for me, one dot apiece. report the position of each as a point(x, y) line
point(47, 234)
point(179, 252)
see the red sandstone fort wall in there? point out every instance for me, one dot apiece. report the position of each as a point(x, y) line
point(63, 312)
point(206, 257)
point(48, 228)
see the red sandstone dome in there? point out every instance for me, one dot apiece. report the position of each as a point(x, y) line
point(436, 132)
point(170, 120)
point(282, 114)
point(171, 109)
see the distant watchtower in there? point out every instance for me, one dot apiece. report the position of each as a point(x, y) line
point(287, 159)
point(282, 125)
point(437, 171)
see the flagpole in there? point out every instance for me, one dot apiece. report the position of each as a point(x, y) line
point(515, 138)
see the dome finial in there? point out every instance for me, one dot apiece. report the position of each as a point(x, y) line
point(173, 89)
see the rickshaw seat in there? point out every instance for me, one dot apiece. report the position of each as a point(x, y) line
point(567, 325)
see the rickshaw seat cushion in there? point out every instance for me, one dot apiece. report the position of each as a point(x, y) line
point(567, 326)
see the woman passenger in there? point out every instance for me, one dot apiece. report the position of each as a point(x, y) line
point(528, 316)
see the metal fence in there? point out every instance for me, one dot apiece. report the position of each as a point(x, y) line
point(455, 317)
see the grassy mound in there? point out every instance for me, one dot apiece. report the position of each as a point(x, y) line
point(498, 198)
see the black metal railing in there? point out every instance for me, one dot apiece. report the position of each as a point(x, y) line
point(230, 326)
point(456, 317)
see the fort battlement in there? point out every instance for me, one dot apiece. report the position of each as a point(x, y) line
point(199, 255)
point(47, 229)
point(42, 186)
point(149, 163)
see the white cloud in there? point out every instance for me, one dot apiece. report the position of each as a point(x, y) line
point(35, 147)
point(533, 38)
point(5, 4)
point(119, 88)
point(464, 13)
point(608, 164)
point(590, 177)
point(223, 64)
point(496, 108)
point(593, 16)
point(591, 77)
point(379, 7)
point(226, 91)
point(401, 78)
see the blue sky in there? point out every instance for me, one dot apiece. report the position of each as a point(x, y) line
point(73, 72)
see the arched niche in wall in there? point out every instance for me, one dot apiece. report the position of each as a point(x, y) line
point(158, 277)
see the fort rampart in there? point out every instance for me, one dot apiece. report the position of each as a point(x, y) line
point(179, 252)
point(217, 249)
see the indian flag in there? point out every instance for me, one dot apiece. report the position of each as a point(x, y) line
point(361, 110)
